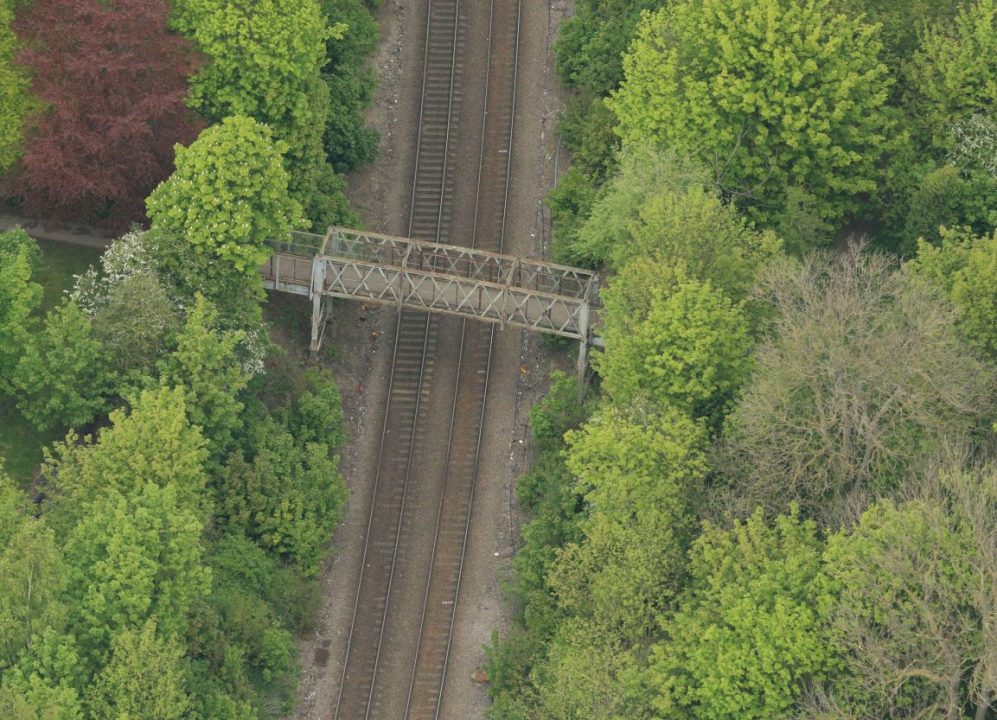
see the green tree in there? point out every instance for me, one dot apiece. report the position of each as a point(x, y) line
point(661, 205)
point(50, 676)
point(64, 377)
point(130, 559)
point(317, 411)
point(207, 366)
point(965, 267)
point(134, 253)
point(637, 473)
point(227, 196)
point(33, 699)
point(901, 21)
point(675, 341)
point(923, 192)
point(590, 44)
point(351, 80)
point(13, 508)
point(136, 322)
point(32, 580)
point(770, 95)
point(153, 442)
point(588, 674)
point(32, 574)
point(910, 595)
point(16, 103)
point(19, 297)
point(864, 378)
point(588, 51)
point(748, 634)
point(288, 497)
point(144, 678)
point(265, 62)
point(953, 74)
point(16, 240)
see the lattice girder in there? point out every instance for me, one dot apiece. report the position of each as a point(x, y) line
point(449, 279)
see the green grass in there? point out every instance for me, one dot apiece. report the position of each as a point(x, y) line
point(61, 262)
point(20, 444)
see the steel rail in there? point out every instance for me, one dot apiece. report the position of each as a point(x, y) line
point(489, 345)
point(394, 371)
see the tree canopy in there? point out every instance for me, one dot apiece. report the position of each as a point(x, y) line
point(863, 381)
point(113, 82)
point(769, 95)
point(748, 635)
point(16, 103)
point(265, 62)
point(19, 297)
point(228, 194)
point(64, 378)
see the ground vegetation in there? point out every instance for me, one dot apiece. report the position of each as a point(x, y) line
point(776, 499)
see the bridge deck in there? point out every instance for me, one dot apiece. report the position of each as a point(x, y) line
point(448, 279)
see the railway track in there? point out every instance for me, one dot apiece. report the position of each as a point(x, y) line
point(382, 674)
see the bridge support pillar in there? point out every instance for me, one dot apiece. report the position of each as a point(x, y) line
point(319, 319)
point(583, 363)
point(319, 305)
point(583, 347)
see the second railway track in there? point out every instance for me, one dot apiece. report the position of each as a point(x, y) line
point(400, 639)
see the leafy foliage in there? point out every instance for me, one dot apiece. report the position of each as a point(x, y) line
point(769, 95)
point(906, 594)
point(688, 347)
point(206, 365)
point(588, 675)
point(136, 323)
point(144, 678)
point(953, 74)
point(227, 196)
point(748, 634)
point(348, 142)
point(637, 475)
point(789, 114)
point(132, 558)
point(152, 443)
point(287, 498)
point(901, 22)
point(317, 412)
point(264, 63)
point(113, 81)
point(19, 297)
point(965, 267)
point(263, 74)
point(591, 43)
point(32, 576)
point(16, 104)
point(64, 377)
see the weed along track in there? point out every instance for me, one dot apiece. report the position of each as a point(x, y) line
point(408, 589)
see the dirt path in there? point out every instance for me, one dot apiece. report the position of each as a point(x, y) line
point(60, 232)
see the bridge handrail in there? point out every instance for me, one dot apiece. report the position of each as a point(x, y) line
point(302, 243)
point(482, 265)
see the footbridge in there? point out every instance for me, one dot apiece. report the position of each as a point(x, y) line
point(421, 275)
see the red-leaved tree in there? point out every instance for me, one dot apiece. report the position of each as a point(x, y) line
point(113, 78)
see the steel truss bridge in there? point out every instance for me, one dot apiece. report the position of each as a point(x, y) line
point(421, 275)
